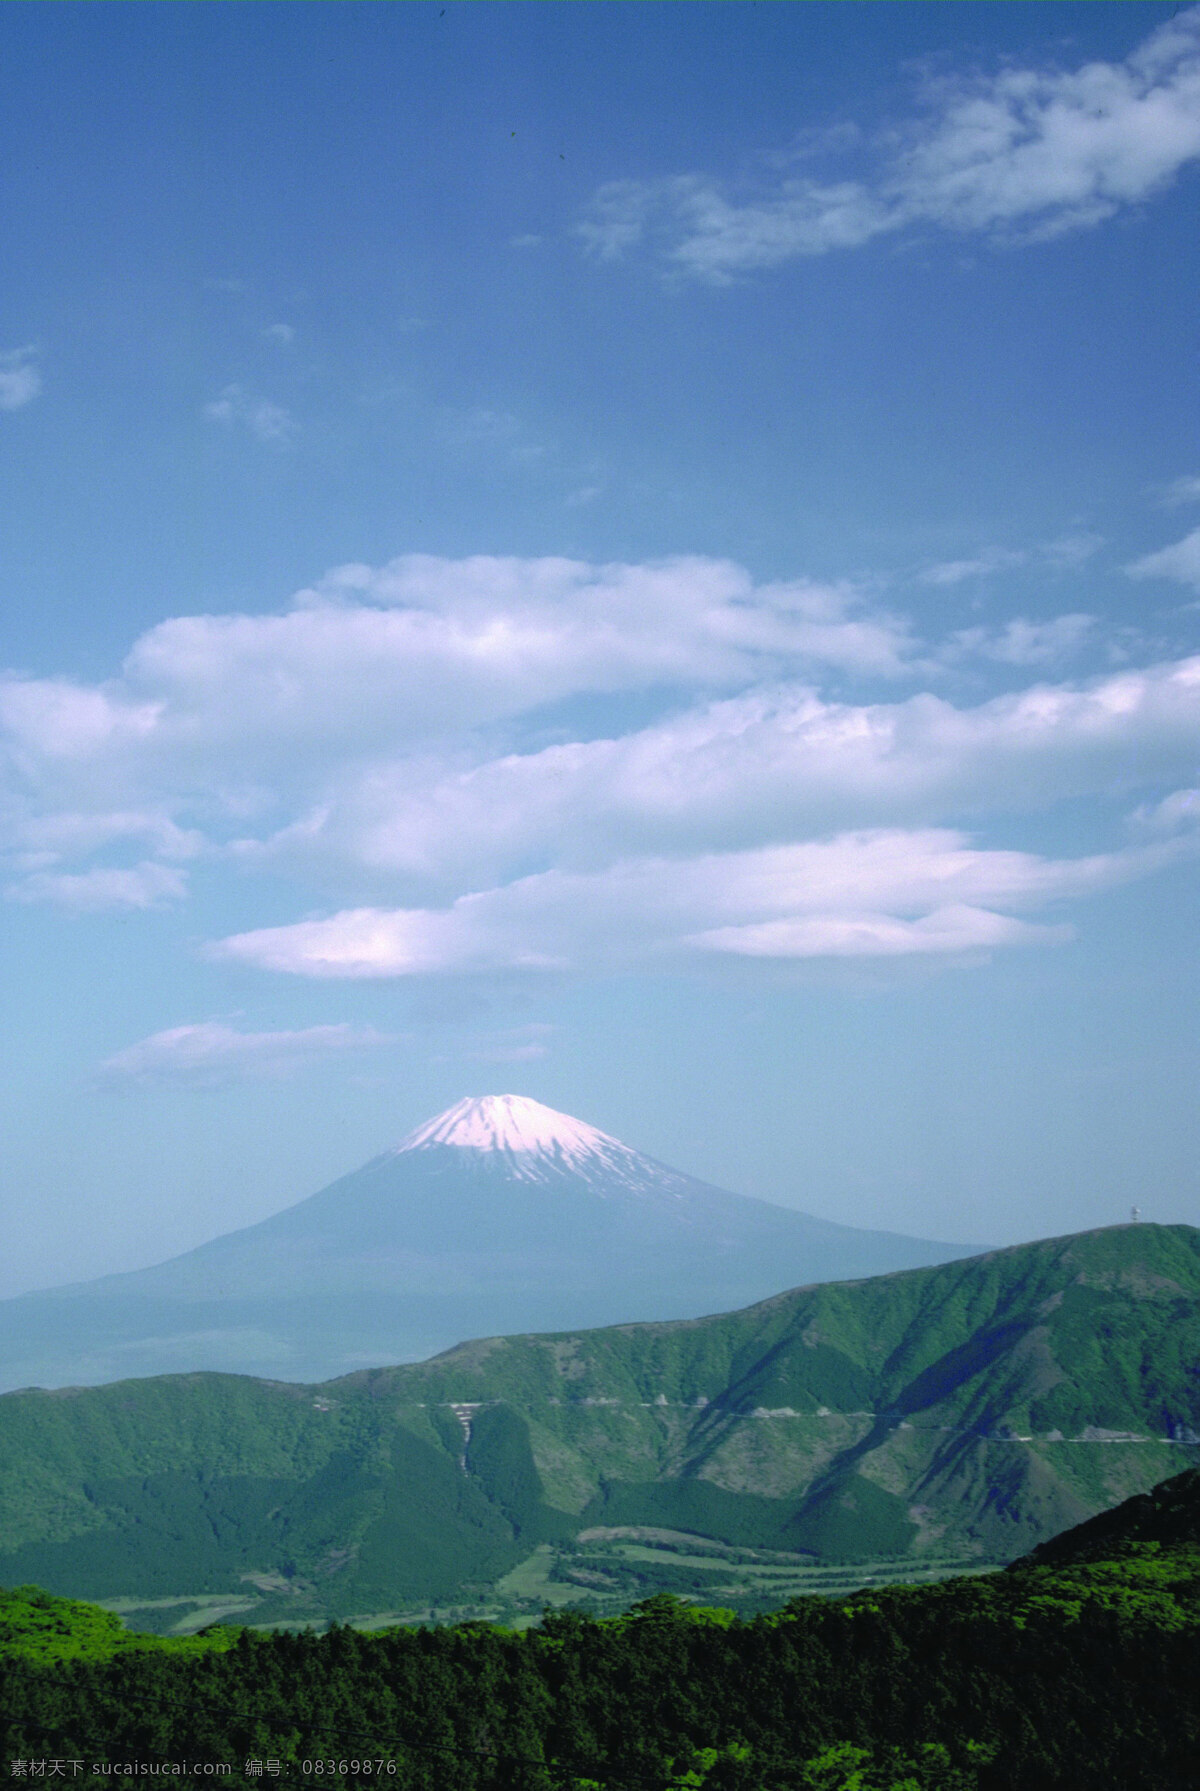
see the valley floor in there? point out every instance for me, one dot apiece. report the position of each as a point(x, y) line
point(602, 1572)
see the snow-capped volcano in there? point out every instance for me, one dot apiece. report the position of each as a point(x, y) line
point(535, 1142)
point(499, 1215)
point(510, 1123)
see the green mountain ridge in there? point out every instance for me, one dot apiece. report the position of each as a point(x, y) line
point(964, 1412)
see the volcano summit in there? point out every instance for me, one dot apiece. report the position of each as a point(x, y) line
point(498, 1216)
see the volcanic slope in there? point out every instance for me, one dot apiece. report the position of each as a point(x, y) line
point(499, 1215)
point(972, 1409)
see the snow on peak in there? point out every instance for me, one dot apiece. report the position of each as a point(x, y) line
point(511, 1123)
point(531, 1143)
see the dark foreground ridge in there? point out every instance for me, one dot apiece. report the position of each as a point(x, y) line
point(1076, 1677)
point(1167, 1517)
point(905, 1426)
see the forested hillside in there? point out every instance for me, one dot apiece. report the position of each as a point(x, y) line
point(1081, 1677)
point(928, 1418)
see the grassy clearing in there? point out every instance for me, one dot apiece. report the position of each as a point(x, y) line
point(181, 1614)
point(533, 1578)
point(608, 1573)
point(603, 1575)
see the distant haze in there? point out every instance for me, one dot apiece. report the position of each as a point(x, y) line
point(499, 1215)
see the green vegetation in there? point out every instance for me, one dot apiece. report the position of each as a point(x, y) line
point(37, 1627)
point(904, 1426)
point(1081, 1676)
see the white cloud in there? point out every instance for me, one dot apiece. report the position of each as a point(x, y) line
point(1173, 814)
point(1020, 642)
point(402, 739)
point(266, 421)
point(1184, 490)
point(42, 840)
point(233, 726)
point(53, 718)
point(954, 572)
point(283, 333)
point(1069, 552)
point(211, 1054)
point(145, 885)
point(408, 651)
point(1181, 562)
point(772, 764)
point(20, 379)
point(945, 931)
point(1064, 554)
point(873, 893)
point(1024, 153)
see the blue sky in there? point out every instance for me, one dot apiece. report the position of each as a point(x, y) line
point(642, 555)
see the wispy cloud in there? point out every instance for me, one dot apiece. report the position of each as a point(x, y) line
point(1184, 490)
point(145, 885)
point(767, 765)
point(221, 726)
point(1069, 552)
point(980, 565)
point(1175, 813)
point(1180, 561)
point(499, 435)
point(1019, 155)
point(1066, 553)
point(880, 893)
point(20, 378)
point(1021, 642)
point(282, 333)
point(44, 840)
point(384, 740)
point(423, 644)
point(946, 932)
point(210, 1054)
point(266, 421)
